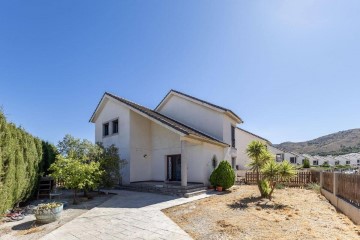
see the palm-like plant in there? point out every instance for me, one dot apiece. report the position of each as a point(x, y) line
point(258, 153)
point(272, 172)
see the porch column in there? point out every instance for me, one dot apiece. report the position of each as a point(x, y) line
point(183, 166)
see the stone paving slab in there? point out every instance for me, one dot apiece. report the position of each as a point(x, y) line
point(127, 215)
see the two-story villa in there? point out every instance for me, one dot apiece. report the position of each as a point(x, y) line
point(177, 141)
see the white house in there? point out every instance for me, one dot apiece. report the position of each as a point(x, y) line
point(291, 157)
point(176, 141)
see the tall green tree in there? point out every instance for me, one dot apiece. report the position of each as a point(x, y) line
point(21, 161)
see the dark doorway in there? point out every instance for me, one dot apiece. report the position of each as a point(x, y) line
point(174, 167)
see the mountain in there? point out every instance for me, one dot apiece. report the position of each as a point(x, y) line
point(333, 144)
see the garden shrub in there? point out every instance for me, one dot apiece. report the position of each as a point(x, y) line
point(306, 163)
point(22, 160)
point(223, 175)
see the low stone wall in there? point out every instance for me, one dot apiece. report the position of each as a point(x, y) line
point(350, 210)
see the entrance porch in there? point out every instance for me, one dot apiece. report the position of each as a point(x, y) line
point(173, 188)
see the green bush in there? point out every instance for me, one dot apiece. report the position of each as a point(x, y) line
point(306, 163)
point(22, 160)
point(223, 175)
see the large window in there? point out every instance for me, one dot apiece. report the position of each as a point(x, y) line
point(115, 126)
point(292, 159)
point(232, 136)
point(106, 129)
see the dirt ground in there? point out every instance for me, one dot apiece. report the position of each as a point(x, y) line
point(293, 213)
point(28, 229)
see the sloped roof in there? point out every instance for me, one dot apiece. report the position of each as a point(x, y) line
point(198, 100)
point(162, 118)
point(256, 136)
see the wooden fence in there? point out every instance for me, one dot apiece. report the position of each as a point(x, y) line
point(348, 187)
point(315, 176)
point(300, 179)
point(328, 181)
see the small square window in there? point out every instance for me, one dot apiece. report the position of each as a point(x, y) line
point(347, 162)
point(315, 162)
point(292, 159)
point(106, 129)
point(279, 157)
point(115, 126)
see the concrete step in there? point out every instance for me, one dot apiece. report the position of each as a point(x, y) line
point(192, 194)
point(162, 190)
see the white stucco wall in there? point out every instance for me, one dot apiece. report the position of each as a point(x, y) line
point(199, 160)
point(164, 142)
point(140, 148)
point(243, 139)
point(121, 140)
point(195, 115)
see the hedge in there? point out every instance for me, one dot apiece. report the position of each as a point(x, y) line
point(23, 158)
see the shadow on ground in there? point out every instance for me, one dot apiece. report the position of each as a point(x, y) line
point(257, 202)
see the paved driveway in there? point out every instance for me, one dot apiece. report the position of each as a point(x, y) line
point(128, 215)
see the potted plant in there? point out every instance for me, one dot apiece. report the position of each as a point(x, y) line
point(219, 188)
point(48, 212)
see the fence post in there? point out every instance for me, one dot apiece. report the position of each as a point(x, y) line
point(335, 183)
point(321, 179)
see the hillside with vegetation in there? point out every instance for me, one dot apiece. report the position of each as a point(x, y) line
point(339, 143)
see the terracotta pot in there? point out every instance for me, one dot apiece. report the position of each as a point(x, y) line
point(219, 188)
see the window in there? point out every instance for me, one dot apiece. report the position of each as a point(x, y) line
point(358, 162)
point(279, 157)
point(232, 136)
point(106, 129)
point(292, 159)
point(347, 162)
point(337, 162)
point(233, 162)
point(115, 126)
point(315, 162)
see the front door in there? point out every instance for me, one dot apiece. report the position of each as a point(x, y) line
point(174, 167)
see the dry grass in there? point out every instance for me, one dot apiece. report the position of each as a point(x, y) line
point(241, 214)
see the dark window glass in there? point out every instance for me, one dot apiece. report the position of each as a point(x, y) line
point(106, 129)
point(115, 126)
point(292, 159)
point(232, 136)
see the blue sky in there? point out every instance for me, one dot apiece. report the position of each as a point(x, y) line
point(290, 69)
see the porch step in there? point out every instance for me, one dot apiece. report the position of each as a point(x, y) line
point(192, 194)
point(173, 191)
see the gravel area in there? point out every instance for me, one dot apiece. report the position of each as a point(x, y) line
point(28, 229)
point(293, 213)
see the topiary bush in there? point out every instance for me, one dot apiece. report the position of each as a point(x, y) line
point(223, 175)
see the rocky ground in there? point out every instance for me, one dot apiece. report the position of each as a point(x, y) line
point(293, 213)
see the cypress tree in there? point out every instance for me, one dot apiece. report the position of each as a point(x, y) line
point(22, 160)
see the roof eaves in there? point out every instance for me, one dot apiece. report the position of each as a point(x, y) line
point(257, 136)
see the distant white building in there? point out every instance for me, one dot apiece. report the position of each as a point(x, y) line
point(281, 155)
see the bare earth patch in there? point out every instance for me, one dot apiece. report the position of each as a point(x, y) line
point(28, 229)
point(293, 213)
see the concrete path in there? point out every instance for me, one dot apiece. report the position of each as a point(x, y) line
point(128, 215)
